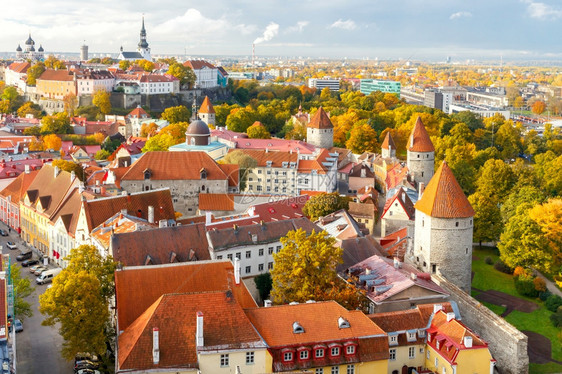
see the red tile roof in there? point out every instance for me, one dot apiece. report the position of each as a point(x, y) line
point(419, 139)
point(175, 166)
point(216, 201)
point(443, 197)
point(206, 106)
point(137, 288)
point(396, 175)
point(402, 198)
point(19, 67)
point(276, 158)
point(56, 75)
point(320, 120)
point(290, 207)
point(198, 64)
point(151, 78)
point(225, 326)
point(17, 188)
point(232, 171)
point(138, 112)
point(388, 141)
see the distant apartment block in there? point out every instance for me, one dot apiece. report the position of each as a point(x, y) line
point(320, 84)
point(438, 99)
point(370, 85)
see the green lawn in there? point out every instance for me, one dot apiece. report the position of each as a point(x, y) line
point(486, 277)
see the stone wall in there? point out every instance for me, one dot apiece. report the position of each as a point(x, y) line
point(421, 165)
point(507, 344)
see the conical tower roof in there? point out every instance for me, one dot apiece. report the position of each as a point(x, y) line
point(443, 197)
point(388, 141)
point(321, 120)
point(419, 139)
point(206, 106)
point(18, 49)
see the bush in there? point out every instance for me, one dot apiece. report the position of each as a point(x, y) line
point(553, 302)
point(540, 284)
point(525, 286)
point(556, 318)
point(488, 260)
point(518, 271)
point(544, 295)
point(500, 266)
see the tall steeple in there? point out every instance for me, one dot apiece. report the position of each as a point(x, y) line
point(143, 44)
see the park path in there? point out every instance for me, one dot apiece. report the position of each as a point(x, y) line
point(551, 286)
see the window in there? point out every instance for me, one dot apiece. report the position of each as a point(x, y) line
point(219, 257)
point(319, 353)
point(433, 268)
point(456, 224)
point(335, 351)
point(392, 354)
point(248, 269)
point(288, 356)
point(421, 350)
point(444, 370)
point(436, 363)
point(260, 267)
point(270, 250)
point(238, 255)
point(319, 371)
point(411, 336)
point(350, 369)
point(350, 349)
point(278, 248)
point(224, 360)
point(269, 265)
point(260, 252)
point(229, 256)
point(335, 370)
point(411, 352)
point(248, 254)
point(393, 339)
point(304, 355)
point(249, 358)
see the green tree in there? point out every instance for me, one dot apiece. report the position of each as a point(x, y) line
point(35, 72)
point(487, 218)
point(548, 167)
point(508, 139)
point(69, 166)
point(258, 131)
point(305, 269)
point(324, 204)
point(176, 114)
point(58, 123)
point(102, 154)
point(526, 195)
point(244, 161)
point(22, 289)
point(79, 301)
point(263, 284)
point(362, 138)
point(240, 119)
point(101, 100)
point(496, 179)
point(160, 142)
point(184, 73)
point(30, 108)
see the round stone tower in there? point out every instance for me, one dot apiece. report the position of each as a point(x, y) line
point(443, 230)
point(320, 130)
point(421, 154)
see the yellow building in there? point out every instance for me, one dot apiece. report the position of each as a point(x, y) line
point(56, 84)
point(454, 349)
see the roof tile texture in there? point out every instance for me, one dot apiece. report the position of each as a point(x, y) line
point(419, 139)
point(320, 120)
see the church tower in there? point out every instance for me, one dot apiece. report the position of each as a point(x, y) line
point(207, 112)
point(421, 154)
point(143, 44)
point(388, 148)
point(320, 130)
point(443, 230)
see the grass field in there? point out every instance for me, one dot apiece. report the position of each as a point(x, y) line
point(486, 278)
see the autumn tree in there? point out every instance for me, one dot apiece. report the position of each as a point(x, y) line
point(244, 161)
point(52, 62)
point(305, 269)
point(538, 107)
point(52, 141)
point(70, 103)
point(324, 204)
point(22, 289)
point(549, 218)
point(102, 154)
point(30, 108)
point(176, 114)
point(487, 218)
point(176, 130)
point(58, 123)
point(35, 72)
point(148, 129)
point(69, 166)
point(184, 73)
point(240, 119)
point(145, 65)
point(124, 65)
point(79, 301)
point(101, 100)
point(160, 142)
point(362, 138)
point(258, 131)
point(496, 179)
point(526, 195)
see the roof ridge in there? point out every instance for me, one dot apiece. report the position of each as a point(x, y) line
point(419, 140)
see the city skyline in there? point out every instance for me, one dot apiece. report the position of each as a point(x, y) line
point(410, 29)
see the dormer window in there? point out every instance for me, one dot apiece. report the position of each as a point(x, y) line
point(334, 351)
point(297, 328)
point(343, 323)
point(411, 336)
point(350, 349)
point(203, 173)
point(147, 174)
point(319, 353)
point(269, 163)
point(288, 356)
point(393, 339)
point(421, 333)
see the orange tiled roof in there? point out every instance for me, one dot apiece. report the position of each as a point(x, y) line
point(138, 112)
point(443, 197)
point(232, 171)
point(198, 64)
point(276, 157)
point(19, 67)
point(216, 201)
point(206, 106)
point(56, 75)
point(225, 326)
point(175, 166)
point(17, 188)
point(275, 324)
point(419, 139)
point(404, 200)
point(137, 288)
point(388, 141)
point(320, 120)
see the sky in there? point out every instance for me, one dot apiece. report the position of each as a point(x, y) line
point(383, 29)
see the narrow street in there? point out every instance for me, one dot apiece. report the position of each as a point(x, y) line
point(37, 347)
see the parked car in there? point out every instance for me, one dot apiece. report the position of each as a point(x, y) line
point(31, 261)
point(3, 233)
point(80, 356)
point(34, 267)
point(40, 269)
point(11, 245)
point(84, 365)
point(18, 325)
point(87, 371)
point(24, 256)
point(47, 275)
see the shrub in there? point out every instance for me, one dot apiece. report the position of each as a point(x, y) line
point(518, 271)
point(553, 302)
point(488, 260)
point(556, 318)
point(500, 266)
point(525, 286)
point(544, 295)
point(540, 284)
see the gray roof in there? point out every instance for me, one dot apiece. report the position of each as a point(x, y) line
point(131, 55)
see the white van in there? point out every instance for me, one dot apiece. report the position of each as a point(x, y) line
point(47, 276)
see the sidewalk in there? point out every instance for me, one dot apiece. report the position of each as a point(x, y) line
point(551, 286)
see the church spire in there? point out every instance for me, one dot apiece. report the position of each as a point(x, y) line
point(143, 43)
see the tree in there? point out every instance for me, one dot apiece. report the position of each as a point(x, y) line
point(240, 119)
point(145, 65)
point(538, 107)
point(52, 141)
point(30, 108)
point(244, 161)
point(58, 123)
point(22, 289)
point(324, 204)
point(52, 62)
point(102, 154)
point(258, 131)
point(496, 179)
point(69, 166)
point(487, 218)
point(176, 130)
point(263, 284)
point(305, 269)
point(79, 301)
point(148, 129)
point(184, 73)
point(35, 72)
point(526, 195)
point(101, 100)
point(160, 142)
point(508, 139)
point(549, 218)
point(124, 65)
point(32, 131)
point(176, 114)
point(362, 138)
point(70, 103)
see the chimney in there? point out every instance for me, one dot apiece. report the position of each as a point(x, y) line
point(450, 316)
point(123, 193)
point(468, 341)
point(162, 223)
point(56, 171)
point(199, 331)
point(237, 270)
point(267, 303)
point(150, 214)
point(421, 188)
point(437, 307)
point(396, 263)
point(27, 170)
point(97, 182)
point(155, 346)
point(208, 218)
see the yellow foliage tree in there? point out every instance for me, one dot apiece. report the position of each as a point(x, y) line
point(258, 131)
point(52, 141)
point(101, 100)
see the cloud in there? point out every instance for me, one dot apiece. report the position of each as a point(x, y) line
point(269, 33)
point(344, 25)
point(541, 10)
point(299, 27)
point(462, 14)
